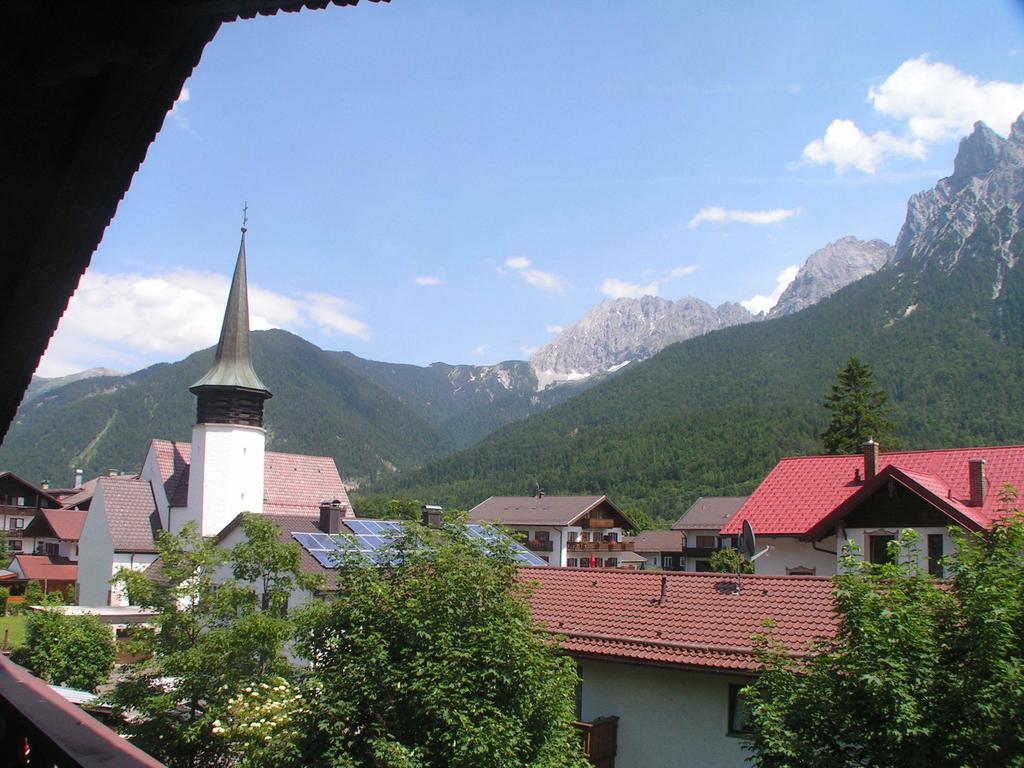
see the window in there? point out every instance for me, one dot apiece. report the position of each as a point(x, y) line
point(935, 555)
point(878, 548)
point(801, 570)
point(611, 562)
point(17, 523)
point(599, 562)
point(739, 712)
point(15, 545)
point(572, 562)
point(611, 537)
point(542, 535)
point(51, 548)
point(573, 536)
point(702, 566)
point(666, 562)
point(707, 542)
point(584, 562)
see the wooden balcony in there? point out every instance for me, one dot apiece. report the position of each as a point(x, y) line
point(600, 546)
point(39, 728)
point(600, 740)
point(537, 545)
point(600, 522)
point(700, 552)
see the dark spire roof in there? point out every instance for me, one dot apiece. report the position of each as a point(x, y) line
point(232, 365)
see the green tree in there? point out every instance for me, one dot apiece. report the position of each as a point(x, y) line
point(436, 661)
point(76, 651)
point(859, 412)
point(216, 636)
point(728, 560)
point(5, 550)
point(918, 673)
point(33, 593)
point(4, 594)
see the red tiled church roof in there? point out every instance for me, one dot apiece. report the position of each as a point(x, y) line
point(701, 623)
point(800, 493)
point(292, 482)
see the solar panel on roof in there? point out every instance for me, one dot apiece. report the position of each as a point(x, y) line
point(371, 538)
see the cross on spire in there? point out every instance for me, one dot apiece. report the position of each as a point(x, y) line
point(245, 218)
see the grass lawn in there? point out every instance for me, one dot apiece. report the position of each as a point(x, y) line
point(15, 626)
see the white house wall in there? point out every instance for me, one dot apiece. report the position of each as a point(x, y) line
point(789, 552)
point(859, 537)
point(95, 554)
point(667, 718)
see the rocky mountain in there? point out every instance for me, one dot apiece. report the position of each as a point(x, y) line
point(830, 268)
point(941, 325)
point(619, 331)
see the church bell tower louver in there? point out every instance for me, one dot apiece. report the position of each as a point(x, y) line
point(228, 439)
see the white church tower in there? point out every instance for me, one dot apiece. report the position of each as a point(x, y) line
point(228, 439)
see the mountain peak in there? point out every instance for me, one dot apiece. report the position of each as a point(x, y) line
point(1017, 130)
point(978, 155)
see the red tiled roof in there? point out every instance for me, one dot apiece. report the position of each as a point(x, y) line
point(702, 622)
point(131, 513)
point(295, 483)
point(63, 524)
point(800, 493)
point(292, 482)
point(172, 460)
point(658, 541)
point(709, 513)
point(43, 567)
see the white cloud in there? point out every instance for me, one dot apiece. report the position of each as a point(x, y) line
point(127, 321)
point(932, 102)
point(554, 329)
point(527, 350)
point(759, 303)
point(615, 288)
point(177, 114)
point(480, 350)
point(545, 281)
point(621, 289)
point(427, 280)
point(716, 214)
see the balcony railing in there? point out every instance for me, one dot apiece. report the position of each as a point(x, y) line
point(600, 546)
point(538, 545)
point(39, 728)
point(600, 740)
point(698, 551)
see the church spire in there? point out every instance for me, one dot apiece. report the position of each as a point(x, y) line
point(231, 392)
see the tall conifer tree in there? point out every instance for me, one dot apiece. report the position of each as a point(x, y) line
point(859, 412)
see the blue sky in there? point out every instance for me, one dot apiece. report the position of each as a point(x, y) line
point(456, 181)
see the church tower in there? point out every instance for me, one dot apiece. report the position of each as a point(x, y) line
point(228, 439)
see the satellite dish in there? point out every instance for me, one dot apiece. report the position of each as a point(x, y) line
point(748, 542)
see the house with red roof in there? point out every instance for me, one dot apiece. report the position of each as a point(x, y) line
point(808, 507)
point(20, 502)
point(223, 472)
point(662, 656)
point(54, 574)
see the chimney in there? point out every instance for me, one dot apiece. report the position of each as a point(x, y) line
point(431, 516)
point(78, 479)
point(112, 473)
point(977, 476)
point(331, 512)
point(664, 590)
point(45, 485)
point(871, 451)
point(539, 493)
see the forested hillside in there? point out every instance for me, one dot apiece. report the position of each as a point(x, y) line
point(319, 406)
